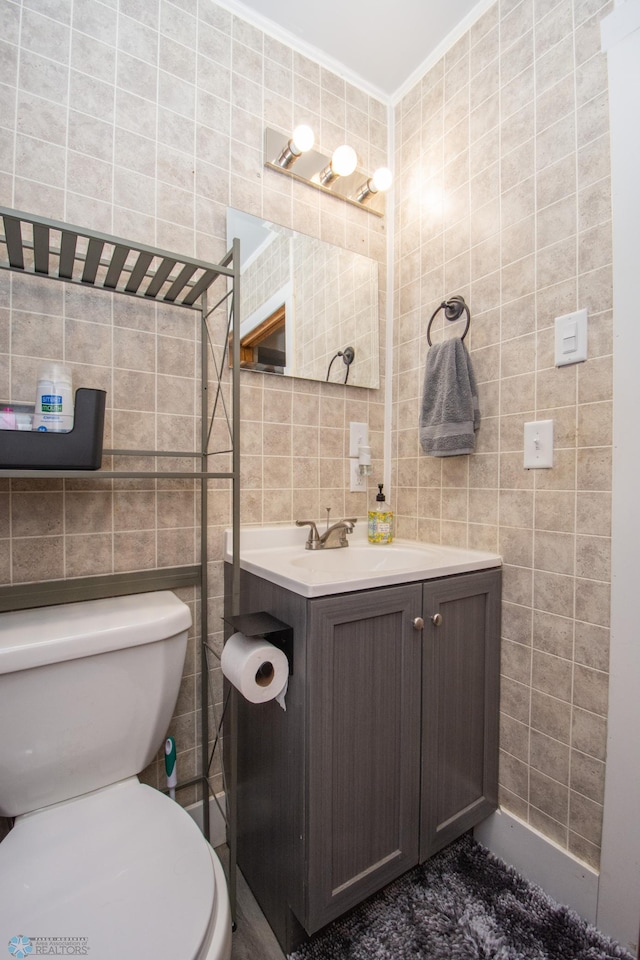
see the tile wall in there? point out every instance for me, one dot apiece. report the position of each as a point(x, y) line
point(503, 196)
point(144, 119)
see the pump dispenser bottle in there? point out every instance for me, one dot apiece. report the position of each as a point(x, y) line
point(380, 529)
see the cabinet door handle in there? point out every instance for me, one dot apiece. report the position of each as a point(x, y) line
point(436, 619)
point(418, 623)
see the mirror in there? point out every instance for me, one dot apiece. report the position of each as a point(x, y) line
point(308, 309)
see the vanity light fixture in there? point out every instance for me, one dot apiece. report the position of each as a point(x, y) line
point(296, 156)
point(302, 141)
point(378, 183)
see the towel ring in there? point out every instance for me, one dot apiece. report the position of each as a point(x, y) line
point(453, 309)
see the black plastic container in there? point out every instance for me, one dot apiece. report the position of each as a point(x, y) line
point(80, 449)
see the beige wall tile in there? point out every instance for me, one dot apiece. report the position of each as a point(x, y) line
point(516, 545)
point(551, 716)
point(517, 585)
point(553, 593)
point(37, 558)
point(549, 796)
point(514, 775)
point(88, 554)
point(587, 776)
point(558, 141)
point(593, 513)
point(555, 552)
point(514, 738)
point(548, 826)
point(553, 634)
point(589, 733)
point(591, 689)
point(594, 468)
point(593, 557)
point(36, 514)
point(593, 601)
point(550, 757)
point(515, 699)
point(551, 675)
point(555, 510)
point(516, 624)
point(512, 431)
point(585, 818)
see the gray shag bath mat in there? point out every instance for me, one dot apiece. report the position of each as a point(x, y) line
point(462, 904)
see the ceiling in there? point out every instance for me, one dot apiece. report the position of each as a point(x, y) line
point(380, 46)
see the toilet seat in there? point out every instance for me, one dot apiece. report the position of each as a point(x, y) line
point(125, 867)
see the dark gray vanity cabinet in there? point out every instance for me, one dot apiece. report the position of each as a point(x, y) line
point(387, 750)
point(363, 773)
point(460, 706)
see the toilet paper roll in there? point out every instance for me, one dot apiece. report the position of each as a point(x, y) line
point(256, 668)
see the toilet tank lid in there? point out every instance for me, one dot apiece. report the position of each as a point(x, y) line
point(43, 635)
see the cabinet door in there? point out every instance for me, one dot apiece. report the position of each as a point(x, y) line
point(364, 658)
point(460, 706)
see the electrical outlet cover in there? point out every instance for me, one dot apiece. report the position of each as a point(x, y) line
point(357, 483)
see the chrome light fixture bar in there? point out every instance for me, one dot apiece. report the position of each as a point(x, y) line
point(337, 174)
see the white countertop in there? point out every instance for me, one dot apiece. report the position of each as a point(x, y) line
point(278, 554)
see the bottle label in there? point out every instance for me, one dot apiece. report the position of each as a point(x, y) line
point(51, 403)
point(380, 527)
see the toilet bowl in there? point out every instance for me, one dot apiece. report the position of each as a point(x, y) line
point(118, 869)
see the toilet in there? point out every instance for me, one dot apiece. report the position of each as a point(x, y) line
point(98, 864)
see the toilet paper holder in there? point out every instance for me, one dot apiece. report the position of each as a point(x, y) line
point(270, 628)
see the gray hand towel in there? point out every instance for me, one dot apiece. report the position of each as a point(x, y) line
point(450, 414)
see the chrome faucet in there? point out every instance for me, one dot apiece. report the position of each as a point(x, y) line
point(334, 536)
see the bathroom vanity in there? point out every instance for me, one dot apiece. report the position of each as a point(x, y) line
point(388, 747)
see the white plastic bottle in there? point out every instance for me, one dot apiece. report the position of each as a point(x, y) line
point(54, 400)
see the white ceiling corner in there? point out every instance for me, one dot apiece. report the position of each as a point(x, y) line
point(381, 47)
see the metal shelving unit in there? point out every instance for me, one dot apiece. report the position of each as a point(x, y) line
point(40, 247)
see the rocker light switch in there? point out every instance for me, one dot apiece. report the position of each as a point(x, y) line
point(538, 444)
point(571, 338)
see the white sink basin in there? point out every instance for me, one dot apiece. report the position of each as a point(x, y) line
point(278, 554)
point(367, 559)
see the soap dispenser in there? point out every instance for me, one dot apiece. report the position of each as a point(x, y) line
point(380, 529)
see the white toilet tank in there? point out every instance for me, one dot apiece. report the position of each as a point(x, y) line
point(87, 691)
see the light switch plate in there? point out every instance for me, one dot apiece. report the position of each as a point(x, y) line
point(571, 338)
point(538, 444)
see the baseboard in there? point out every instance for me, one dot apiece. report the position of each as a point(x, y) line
point(217, 825)
point(560, 874)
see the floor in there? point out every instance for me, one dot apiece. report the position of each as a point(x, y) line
point(253, 938)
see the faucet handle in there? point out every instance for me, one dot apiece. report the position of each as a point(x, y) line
point(314, 536)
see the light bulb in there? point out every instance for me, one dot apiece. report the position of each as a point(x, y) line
point(303, 139)
point(344, 160)
point(381, 180)
point(378, 183)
